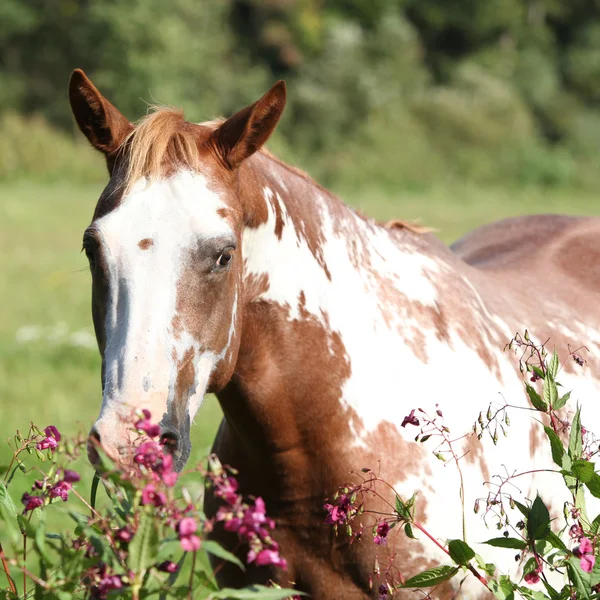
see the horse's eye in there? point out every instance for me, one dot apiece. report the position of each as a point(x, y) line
point(224, 259)
point(90, 256)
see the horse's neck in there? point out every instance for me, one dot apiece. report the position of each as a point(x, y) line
point(317, 276)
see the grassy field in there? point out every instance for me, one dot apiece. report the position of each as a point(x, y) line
point(49, 365)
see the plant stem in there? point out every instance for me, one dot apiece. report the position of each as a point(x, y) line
point(471, 568)
point(190, 594)
point(25, 564)
point(11, 583)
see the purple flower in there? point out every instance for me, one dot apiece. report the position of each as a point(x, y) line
point(577, 358)
point(71, 476)
point(167, 566)
point(383, 529)
point(60, 490)
point(410, 419)
point(31, 502)
point(383, 591)
point(151, 496)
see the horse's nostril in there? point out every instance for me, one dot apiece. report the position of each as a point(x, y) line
point(170, 442)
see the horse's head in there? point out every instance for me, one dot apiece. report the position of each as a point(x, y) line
point(164, 248)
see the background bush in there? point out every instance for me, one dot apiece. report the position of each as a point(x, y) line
point(404, 90)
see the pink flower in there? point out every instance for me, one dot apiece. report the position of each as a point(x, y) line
point(587, 562)
point(151, 496)
point(150, 429)
point(31, 502)
point(60, 490)
point(186, 529)
point(226, 489)
point(383, 529)
point(190, 543)
point(167, 566)
point(148, 454)
point(532, 577)
point(51, 431)
point(270, 557)
point(125, 534)
point(51, 440)
point(585, 546)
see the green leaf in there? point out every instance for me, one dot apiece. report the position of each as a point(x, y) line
point(595, 525)
point(409, 531)
point(594, 486)
point(431, 577)
point(402, 509)
point(503, 589)
point(556, 445)
point(524, 510)
point(6, 501)
point(583, 470)
point(217, 550)
point(538, 371)
point(575, 441)
point(579, 578)
point(143, 550)
point(94, 490)
point(538, 523)
point(554, 365)
point(255, 592)
point(40, 543)
point(556, 542)
point(460, 552)
point(502, 542)
point(561, 401)
point(535, 398)
point(550, 391)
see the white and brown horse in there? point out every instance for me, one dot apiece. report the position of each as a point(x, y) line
point(218, 268)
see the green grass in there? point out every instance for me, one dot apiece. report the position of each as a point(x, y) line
point(45, 291)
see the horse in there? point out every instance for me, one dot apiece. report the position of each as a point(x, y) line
point(218, 268)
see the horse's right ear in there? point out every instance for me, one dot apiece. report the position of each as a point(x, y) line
point(103, 125)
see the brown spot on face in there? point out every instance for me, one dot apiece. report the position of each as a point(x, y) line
point(145, 243)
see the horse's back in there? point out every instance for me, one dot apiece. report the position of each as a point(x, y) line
point(546, 246)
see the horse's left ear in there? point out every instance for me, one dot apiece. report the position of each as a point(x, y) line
point(244, 133)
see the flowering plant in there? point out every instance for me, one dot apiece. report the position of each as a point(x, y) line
point(149, 539)
point(570, 553)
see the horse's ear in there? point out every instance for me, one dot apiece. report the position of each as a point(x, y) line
point(102, 124)
point(244, 133)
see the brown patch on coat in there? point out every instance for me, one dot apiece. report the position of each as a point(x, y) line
point(536, 439)
point(474, 455)
point(146, 243)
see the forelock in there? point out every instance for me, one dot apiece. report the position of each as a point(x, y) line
point(162, 143)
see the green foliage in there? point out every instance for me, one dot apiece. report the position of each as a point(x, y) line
point(404, 91)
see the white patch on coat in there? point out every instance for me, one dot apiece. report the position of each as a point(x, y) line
point(142, 349)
